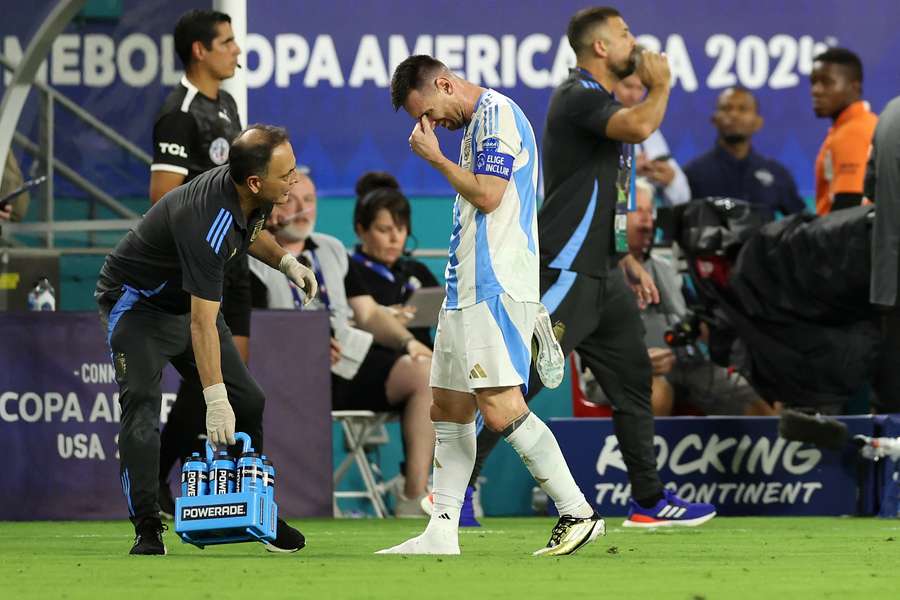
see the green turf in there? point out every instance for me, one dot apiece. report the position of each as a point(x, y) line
point(769, 558)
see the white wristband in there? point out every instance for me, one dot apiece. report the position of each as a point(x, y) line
point(214, 393)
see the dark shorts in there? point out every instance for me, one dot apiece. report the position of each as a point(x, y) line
point(366, 390)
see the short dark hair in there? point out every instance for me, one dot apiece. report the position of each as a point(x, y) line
point(377, 190)
point(250, 155)
point(739, 89)
point(845, 58)
point(582, 22)
point(410, 75)
point(196, 26)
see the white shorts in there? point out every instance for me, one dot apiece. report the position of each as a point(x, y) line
point(484, 345)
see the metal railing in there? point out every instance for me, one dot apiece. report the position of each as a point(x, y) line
point(44, 152)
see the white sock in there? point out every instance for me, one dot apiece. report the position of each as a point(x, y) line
point(536, 445)
point(454, 459)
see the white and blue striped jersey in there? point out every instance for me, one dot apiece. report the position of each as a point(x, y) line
point(496, 253)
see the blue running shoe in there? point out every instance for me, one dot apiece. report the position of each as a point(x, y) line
point(467, 512)
point(669, 512)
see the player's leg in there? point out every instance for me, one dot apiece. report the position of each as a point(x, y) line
point(453, 415)
point(141, 342)
point(570, 299)
point(498, 335)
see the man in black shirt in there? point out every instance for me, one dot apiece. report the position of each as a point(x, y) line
point(159, 294)
point(585, 269)
point(734, 169)
point(192, 134)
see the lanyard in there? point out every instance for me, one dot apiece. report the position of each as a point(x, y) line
point(381, 270)
point(320, 280)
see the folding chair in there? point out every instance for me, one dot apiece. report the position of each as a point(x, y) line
point(362, 429)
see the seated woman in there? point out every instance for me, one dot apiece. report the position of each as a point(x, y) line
point(394, 373)
point(382, 222)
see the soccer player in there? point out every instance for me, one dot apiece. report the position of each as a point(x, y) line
point(159, 292)
point(482, 347)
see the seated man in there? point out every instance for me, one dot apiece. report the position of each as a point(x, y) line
point(733, 168)
point(394, 374)
point(686, 376)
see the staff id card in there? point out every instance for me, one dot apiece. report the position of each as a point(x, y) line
point(625, 201)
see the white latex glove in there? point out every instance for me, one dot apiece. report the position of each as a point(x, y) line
point(219, 416)
point(302, 276)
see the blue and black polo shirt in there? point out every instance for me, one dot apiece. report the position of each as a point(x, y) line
point(182, 244)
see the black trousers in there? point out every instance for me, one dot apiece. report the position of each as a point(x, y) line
point(142, 340)
point(604, 325)
point(185, 430)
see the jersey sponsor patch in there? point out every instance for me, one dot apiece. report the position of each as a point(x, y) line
point(218, 151)
point(497, 164)
point(172, 149)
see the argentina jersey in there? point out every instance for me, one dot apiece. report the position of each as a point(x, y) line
point(496, 253)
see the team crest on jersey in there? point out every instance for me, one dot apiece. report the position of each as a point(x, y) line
point(218, 151)
point(256, 230)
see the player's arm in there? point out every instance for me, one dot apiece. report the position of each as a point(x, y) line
point(171, 146)
point(265, 249)
point(482, 191)
point(635, 124)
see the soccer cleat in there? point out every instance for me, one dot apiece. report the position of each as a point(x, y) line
point(668, 512)
point(468, 514)
point(546, 352)
point(571, 533)
point(287, 539)
point(427, 543)
point(166, 501)
point(148, 537)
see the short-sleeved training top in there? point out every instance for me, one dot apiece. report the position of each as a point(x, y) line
point(581, 168)
point(183, 242)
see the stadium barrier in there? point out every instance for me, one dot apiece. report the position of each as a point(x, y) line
point(740, 464)
point(59, 414)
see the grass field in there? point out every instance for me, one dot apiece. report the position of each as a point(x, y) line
point(726, 558)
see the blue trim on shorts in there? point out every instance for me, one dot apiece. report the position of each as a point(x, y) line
point(519, 352)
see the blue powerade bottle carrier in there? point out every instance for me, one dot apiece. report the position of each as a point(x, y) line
point(246, 516)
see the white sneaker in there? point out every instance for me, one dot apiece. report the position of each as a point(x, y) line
point(427, 543)
point(571, 533)
point(546, 352)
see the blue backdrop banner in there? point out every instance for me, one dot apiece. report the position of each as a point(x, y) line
point(325, 73)
point(737, 463)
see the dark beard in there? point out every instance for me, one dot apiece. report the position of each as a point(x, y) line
point(734, 138)
point(629, 67)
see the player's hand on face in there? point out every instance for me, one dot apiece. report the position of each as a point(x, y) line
point(423, 142)
point(653, 69)
point(417, 350)
point(6, 213)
